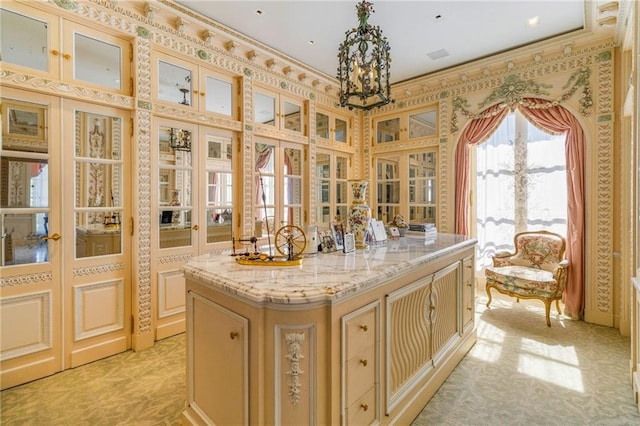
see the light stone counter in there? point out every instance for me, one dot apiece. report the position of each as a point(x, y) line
point(324, 277)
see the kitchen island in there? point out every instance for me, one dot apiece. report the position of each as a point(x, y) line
point(359, 338)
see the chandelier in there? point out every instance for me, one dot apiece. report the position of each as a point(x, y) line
point(364, 64)
point(180, 140)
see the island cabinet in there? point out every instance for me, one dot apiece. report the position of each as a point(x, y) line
point(343, 339)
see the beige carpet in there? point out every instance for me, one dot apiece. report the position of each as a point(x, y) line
point(519, 373)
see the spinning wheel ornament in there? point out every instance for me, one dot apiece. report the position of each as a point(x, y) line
point(290, 241)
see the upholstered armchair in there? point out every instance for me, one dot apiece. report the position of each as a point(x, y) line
point(536, 270)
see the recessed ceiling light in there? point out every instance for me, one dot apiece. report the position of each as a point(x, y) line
point(311, 42)
point(532, 22)
point(259, 12)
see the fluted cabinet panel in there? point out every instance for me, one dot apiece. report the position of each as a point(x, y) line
point(408, 335)
point(444, 312)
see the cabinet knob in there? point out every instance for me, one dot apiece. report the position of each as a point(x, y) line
point(432, 308)
point(54, 52)
point(364, 327)
point(66, 56)
point(195, 227)
point(363, 362)
point(468, 309)
point(364, 406)
point(234, 334)
point(202, 93)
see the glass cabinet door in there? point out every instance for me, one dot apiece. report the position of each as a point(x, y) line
point(331, 181)
point(422, 187)
point(24, 192)
point(219, 96)
point(99, 185)
point(174, 83)
point(219, 187)
point(174, 187)
point(29, 38)
point(388, 187)
point(423, 124)
point(93, 57)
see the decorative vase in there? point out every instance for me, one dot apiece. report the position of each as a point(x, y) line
point(359, 213)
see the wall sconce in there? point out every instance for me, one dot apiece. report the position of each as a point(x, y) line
point(180, 140)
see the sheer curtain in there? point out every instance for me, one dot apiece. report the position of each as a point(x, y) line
point(520, 185)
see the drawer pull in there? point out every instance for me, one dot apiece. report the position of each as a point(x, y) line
point(364, 406)
point(468, 309)
point(234, 334)
point(364, 327)
point(363, 362)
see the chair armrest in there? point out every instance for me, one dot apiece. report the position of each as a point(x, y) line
point(560, 274)
point(502, 258)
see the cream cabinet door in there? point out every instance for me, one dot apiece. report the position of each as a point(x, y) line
point(97, 232)
point(32, 238)
point(218, 349)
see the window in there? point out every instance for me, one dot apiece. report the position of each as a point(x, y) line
point(520, 185)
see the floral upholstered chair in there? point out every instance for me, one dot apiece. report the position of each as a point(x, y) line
point(537, 269)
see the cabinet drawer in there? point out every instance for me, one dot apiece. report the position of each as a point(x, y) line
point(361, 374)
point(363, 410)
point(361, 333)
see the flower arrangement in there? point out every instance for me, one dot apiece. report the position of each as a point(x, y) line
point(399, 222)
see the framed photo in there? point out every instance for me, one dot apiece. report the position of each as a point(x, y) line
point(379, 232)
point(394, 232)
point(337, 232)
point(23, 121)
point(215, 150)
point(328, 244)
point(349, 243)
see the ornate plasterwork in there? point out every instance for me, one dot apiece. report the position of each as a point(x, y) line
point(204, 119)
point(603, 151)
point(247, 159)
point(98, 269)
point(142, 174)
point(295, 343)
point(514, 90)
point(443, 166)
point(26, 279)
point(178, 258)
point(57, 87)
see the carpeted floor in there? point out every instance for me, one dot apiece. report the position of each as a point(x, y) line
point(519, 373)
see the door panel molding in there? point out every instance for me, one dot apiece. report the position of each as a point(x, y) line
point(26, 324)
point(99, 308)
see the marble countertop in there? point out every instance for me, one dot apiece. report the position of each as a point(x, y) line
point(324, 277)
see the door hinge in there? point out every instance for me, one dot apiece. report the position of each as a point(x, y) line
point(131, 127)
point(133, 328)
point(132, 228)
point(131, 86)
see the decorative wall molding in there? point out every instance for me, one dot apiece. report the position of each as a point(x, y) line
point(44, 304)
point(295, 341)
point(178, 258)
point(98, 269)
point(30, 279)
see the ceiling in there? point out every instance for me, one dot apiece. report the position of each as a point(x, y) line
point(425, 36)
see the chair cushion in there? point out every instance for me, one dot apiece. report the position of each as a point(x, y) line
point(523, 280)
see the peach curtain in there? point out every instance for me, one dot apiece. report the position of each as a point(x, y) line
point(559, 120)
point(554, 119)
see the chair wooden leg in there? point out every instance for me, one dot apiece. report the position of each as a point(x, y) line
point(547, 308)
point(488, 294)
point(558, 306)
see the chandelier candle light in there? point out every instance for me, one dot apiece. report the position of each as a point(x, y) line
point(364, 67)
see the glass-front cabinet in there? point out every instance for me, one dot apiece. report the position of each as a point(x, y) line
point(42, 44)
point(278, 186)
point(406, 184)
point(219, 186)
point(408, 126)
point(332, 187)
point(174, 186)
point(332, 128)
point(280, 112)
point(187, 84)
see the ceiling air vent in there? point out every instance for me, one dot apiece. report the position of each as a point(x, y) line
point(438, 54)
